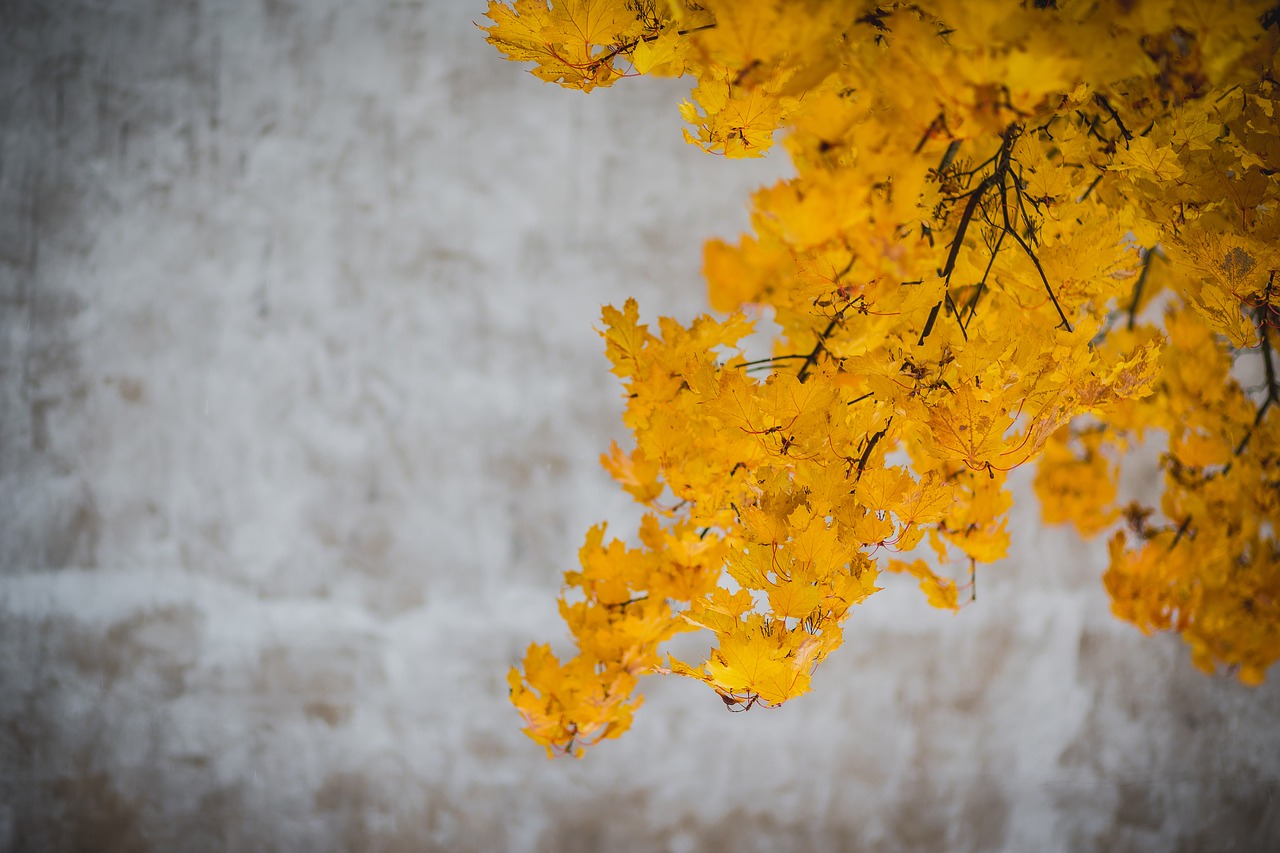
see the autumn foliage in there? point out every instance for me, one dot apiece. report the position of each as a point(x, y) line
point(1017, 232)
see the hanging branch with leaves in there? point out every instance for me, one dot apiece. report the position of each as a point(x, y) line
point(963, 271)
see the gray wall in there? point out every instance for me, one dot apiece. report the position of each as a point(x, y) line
point(301, 404)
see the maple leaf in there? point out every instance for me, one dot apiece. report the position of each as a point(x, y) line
point(926, 501)
point(970, 427)
point(940, 592)
point(660, 54)
point(983, 543)
point(625, 338)
point(749, 662)
point(573, 42)
point(517, 29)
point(1144, 157)
point(634, 471)
point(721, 611)
point(1223, 311)
point(794, 600)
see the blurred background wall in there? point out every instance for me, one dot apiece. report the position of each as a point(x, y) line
point(300, 405)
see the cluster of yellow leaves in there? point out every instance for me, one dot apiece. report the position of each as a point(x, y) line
point(623, 615)
point(576, 43)
point(1077, 486)
point(1211, 570)
point(988, 195)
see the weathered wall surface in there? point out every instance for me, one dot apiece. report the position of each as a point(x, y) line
point(299, 410)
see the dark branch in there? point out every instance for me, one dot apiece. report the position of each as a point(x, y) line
point(955, 312)
point(871, 445)
point(1137, 288)
point(972, 306)
point(1102, 101)
point(812, 358)
point(1273, 387)
point(1089, 190)
point(928, 324)
point(1004, 204)
point(768, 360)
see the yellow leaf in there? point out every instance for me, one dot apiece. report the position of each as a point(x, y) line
point(721, 611)
point(1144, 157)
point(793, 599)
point(634, 472)
point(574, 42)
point(1223, 311)
point(750, 663)
point(970, 428)
point(658, 56)
point(624, 337)
point(985, 544)
point(926, 502)
point(939, 592)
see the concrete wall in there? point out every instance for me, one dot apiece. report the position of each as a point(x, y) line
point(300, 404)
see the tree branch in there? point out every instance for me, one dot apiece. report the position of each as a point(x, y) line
point(1004, 204)
point(1137, 288)
point(1102, 101)
point(1273, 387)
point(871, 445)
point(812, 358)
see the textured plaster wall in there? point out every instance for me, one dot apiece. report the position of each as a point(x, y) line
point(300, 404)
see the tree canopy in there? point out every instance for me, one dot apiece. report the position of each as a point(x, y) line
point(1017, 232)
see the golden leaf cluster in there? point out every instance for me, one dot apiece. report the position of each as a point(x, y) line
point(1017, 231)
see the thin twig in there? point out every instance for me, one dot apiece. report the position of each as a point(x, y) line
point(768, 360)
point(1273, 390)
point(1089, 189)
point(1102, 101)
point(1032, 255)
point(1137, 288)
point(972, 306)
point(812, 358)
point(871, 445)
